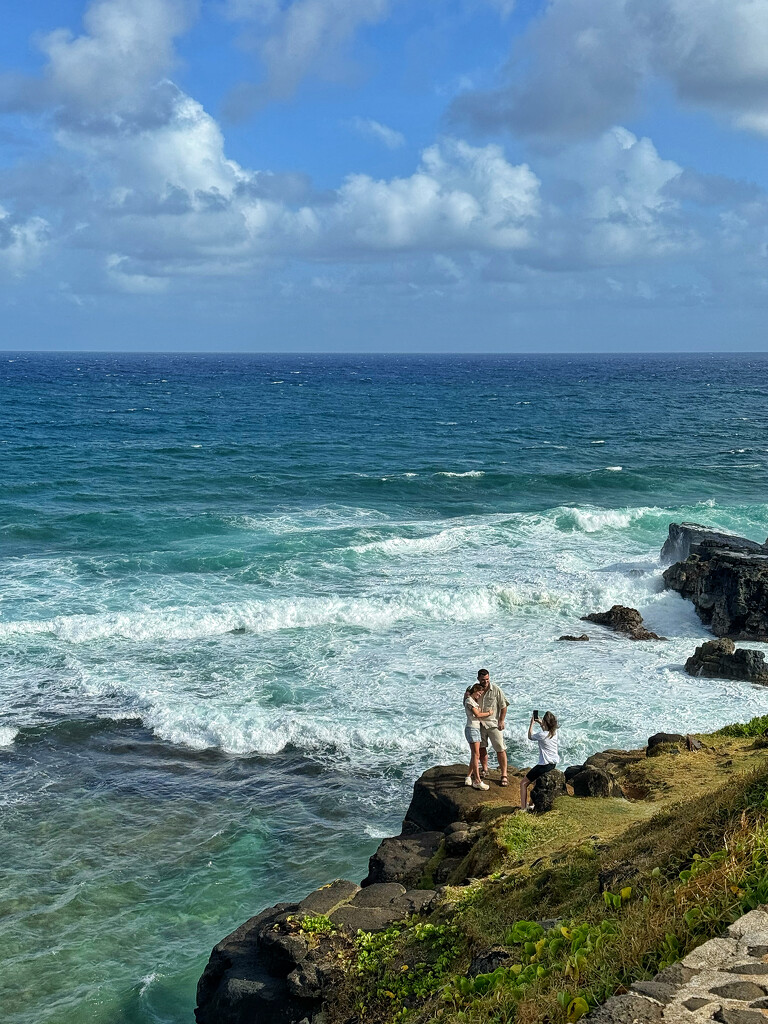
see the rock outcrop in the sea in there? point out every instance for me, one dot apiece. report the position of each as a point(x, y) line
point(572, 638)
point(690, 538)
point(726, 578)
point(625, 620)
point(719, 659)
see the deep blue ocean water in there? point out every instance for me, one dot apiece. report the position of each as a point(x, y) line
point(242, 595)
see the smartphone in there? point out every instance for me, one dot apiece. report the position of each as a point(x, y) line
point(535, 714)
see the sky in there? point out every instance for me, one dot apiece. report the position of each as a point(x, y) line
point(384, 175)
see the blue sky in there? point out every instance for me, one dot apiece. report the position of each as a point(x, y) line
point(373, 175)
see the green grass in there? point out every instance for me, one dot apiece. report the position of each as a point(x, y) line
point(675, 873)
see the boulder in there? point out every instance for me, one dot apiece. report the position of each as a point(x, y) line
point(440, 798)
point(576, 639)
point(546, 789)
point(726, 578)
point(403, 858)
point(572, 771)
point(595, 782)
point(719, 659)
point(625, 620)
point(665, 738)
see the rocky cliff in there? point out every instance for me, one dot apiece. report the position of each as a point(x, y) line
point(726, 578)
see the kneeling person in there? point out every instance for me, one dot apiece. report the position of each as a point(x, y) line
point(548, 754)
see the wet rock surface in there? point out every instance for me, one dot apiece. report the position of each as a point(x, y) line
point(722, 980)
point(624, 620)
point(720, 659)
point(726, 578)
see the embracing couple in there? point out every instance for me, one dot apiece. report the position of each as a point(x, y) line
point(486, 708)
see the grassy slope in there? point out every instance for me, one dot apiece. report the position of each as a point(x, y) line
point(705, 815)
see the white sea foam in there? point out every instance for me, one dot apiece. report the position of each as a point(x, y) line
point(7, 735)
point(470, 472)
point(613, 469)
point(364, 609)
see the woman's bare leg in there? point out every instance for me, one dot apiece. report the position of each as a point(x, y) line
point(474, 761)
point(524, 792)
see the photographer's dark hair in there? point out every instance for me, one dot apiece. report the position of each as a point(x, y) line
point(549, 722)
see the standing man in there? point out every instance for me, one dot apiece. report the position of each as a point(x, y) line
point(492, 699)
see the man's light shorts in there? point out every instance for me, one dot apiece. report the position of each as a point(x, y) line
point(495, 735)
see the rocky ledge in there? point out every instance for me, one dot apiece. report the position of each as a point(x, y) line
point(725, 576)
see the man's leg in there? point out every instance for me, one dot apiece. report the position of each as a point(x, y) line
point(502, 756)
point(483, 750)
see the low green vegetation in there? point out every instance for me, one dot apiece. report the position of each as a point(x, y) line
point(755, 727)
point(582, 902)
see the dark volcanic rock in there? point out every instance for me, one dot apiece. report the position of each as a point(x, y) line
point(621, 619)
point(268, 971)
point(546, 789)
point(575, 639)
point(719, 659)
point(689, 538)
point(726, 578)
point(441, 798)
point(489, 960)
point(595, 782)
point(571, 772)
point(403, 858)
point(660, 738)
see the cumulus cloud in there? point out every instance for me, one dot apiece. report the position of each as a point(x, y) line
point(583, 64)
point(105, 79)
point(371, 129)
point(142, 191)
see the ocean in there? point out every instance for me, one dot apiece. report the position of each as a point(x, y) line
point(242, 597)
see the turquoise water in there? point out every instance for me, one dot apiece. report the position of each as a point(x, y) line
point(241, 597)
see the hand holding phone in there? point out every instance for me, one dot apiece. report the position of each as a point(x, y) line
point(535, 716)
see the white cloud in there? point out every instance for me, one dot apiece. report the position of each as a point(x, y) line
point(371, 129)
point(299, 39)
point(109, 71)
point(583, 64)
point(22, 242)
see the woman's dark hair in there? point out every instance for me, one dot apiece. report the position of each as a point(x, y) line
point(550, 723)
